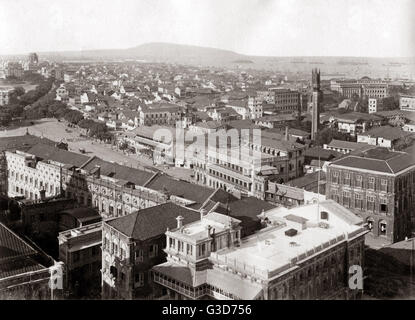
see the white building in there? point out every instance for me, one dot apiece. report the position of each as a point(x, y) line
point(372, 105)
point(5, 95)
point(407, 103)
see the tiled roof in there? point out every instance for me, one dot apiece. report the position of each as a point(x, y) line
point(386, 132)
point(154, 221)
point(48, 152)
point(391, 162)
point(16, 256)
point(11, 245)
point(324, 154)
point(347, 144)
point(117, 171)
point(181, 188)
point(22, 143)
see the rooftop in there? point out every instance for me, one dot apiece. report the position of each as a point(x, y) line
point(272, 251)
point(154, 221)
point(378, 159)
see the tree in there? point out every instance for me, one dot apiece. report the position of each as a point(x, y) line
point(123, 145)
point(19, 91)
point(73, 116)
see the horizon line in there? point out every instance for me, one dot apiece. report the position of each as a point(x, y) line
point(204, 47)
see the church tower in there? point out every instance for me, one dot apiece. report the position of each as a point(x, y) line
point(317, 97)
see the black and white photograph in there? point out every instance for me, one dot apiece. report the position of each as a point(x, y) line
point(177, 150)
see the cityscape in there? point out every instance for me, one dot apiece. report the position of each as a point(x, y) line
point(170, 171)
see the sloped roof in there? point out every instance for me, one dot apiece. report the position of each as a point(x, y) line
point(11, 245)
point(48, 152)
point(347, 144)
point(385, 161)
point(180, 188)
point(22, 143)
point(386, 132)
point(136, 176)
point(154, 221)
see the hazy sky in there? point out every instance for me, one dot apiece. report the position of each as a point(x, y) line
point(258, 27)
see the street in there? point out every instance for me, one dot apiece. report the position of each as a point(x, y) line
point(58, 131)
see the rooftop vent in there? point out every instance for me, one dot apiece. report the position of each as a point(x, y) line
point(323, 225)
point(291, 232)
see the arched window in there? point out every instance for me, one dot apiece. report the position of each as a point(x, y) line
point(370, 222)
point(382, 227)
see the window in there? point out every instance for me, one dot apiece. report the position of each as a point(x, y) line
point(189, 249)
point(76, 256)
point(114, 271)
point(347, 178)
point(384, 185)
point(370, 223)
point(139, 279)
point(383, 205)
point(335, 176)
point(371, 183)
point(358, 201)
point(346, 199)
point(382, 228)
point(359, 181)
point(371, 203)
point(139, 256)
point(153, 251)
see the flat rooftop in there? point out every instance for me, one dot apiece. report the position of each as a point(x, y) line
point(198, 230)
point(272, 251)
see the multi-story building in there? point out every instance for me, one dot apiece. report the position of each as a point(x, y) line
point(132, 245)
point(302, 253)
point(80, 251)
point(267, 96)
point(375, 91)
point(372, 105)
point(28, 175)
point(371, 88)
point(286, 101)
point(385, 136)
point(14, 70)
point(354, 123)
point(5, 95)
point(407, 103)
point(163, 114)
point(255, 107)
point(245, 167)
point(379, 186)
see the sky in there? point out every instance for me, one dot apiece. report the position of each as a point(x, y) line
point(371, 28)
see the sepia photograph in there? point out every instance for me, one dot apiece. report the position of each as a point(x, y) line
point(178, 150)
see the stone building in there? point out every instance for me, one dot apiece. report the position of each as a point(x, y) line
point(302, 253)
point(132, 244)
point(379, 186)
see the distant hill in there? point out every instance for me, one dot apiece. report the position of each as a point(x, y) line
point(206, 57)
point(160, 52)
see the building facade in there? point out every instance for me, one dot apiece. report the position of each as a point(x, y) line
point(407, 103)
point(302, 253)
point(379, 186)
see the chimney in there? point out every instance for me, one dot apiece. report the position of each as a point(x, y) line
point(202, 213)
point(42, 195)
point(179, 222)
point(97, 172)
point(286, 133)
point(208, 228)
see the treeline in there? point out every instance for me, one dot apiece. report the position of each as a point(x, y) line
point(95, 129)
point(21, 102)
point(40, 103)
